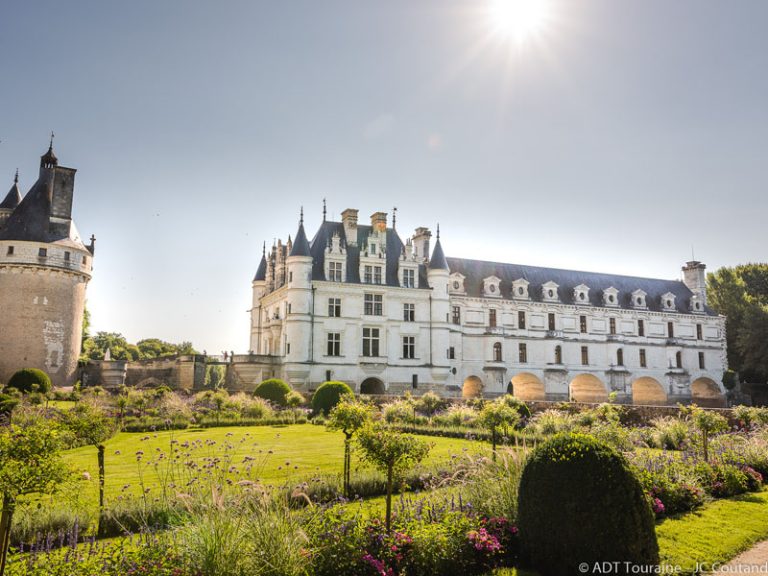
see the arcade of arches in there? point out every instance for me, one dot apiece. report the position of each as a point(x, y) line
point(472, 388)
point(372, 386)
point(527, 387)
point(587, 388)
point(648, 391)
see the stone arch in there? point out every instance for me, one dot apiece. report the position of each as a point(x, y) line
point(648, 391)
point(706, 392)
point(372, 386)
point(587, 388)
point(150, 383)
point(472, 388)
point(528, 387)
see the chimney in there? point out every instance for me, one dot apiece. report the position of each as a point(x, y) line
point(349, 220)
point(695, 278)
point(63, 188)
point(379, 221)
point(421, 238)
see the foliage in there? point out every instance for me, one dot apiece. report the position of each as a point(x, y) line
point(328, 395)
point(428, 404)
point(707, 422)
point(497, 416)
point(215, 375)
point(570, 491)
point(29, 380)
point(400, 411)
point(348, 416)
point(94, 347)
point(30, 459)
point(517, 404)
point(274, 390)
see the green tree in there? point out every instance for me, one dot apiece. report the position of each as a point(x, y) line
point(707, 422)
point(391, 452)
point(30, 463)
point(215, 375)
point(428, 404)
point(348, 416)
point(495, 416)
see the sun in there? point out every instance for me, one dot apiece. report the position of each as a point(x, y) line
point(519, 20)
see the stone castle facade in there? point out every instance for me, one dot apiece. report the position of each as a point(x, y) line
point(44, 270)
point(361, 305)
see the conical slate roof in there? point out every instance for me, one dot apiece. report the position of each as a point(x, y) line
point(438, 261)
point(261, 271)
point(300, 244)
point(13, 198)
point(30, 220)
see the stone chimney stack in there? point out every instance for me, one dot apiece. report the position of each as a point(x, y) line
point(349, 220)
point(421, 238)
point(695, 277)
point(379, 221)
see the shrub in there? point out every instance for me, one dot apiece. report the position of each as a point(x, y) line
point(729, 480)
point(669, 433)
point(328, 395)
point(428, 404)
point(553, 421)
point(517, 404)
point(580, 502)
point(457, 415)
point(399, 411)
point(274, 390)
point(30, 380)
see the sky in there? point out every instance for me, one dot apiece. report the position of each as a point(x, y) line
point(622, 136)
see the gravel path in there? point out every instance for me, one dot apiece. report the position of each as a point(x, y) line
point(753, 561)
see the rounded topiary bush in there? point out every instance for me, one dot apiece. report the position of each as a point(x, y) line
point(328, 395)
point(30, 380)
point(274, 390)
point(579, 502)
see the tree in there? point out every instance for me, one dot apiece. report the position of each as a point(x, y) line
point(391, 452)
point(707, 422)
point(348, 416)
point(497, 415)
point(215, 374)
point(92, 425)
point(30, 463)
point(428, 404)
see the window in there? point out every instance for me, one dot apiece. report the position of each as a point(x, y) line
point(10, 251)
point(370, 341)
point(409, 278)
point(670, 329)
point(612, 325)
point(551, 321)
point(583, 324)
point(456, 315)
point(334, 307)
point(699, 332)
point(619, 357)
point(409, 312)
point(640, 328)
point(492, 318)
point(584, 356)
point(643, 360)
point(42, 252)
point(497, 352)
point(451, 353)
point(415, 381)
point(66, 256)
point(368, 275)
point(702, 364)
point(287, 348)
point(377, 275)
point(328, 375)
point(558, 355)
point(334, 271)
point(288, 309)
point(372, 305)
point(334, 344)
point(678, 359)
point(85, 260)
point(521, 319)
point(522, 350)
point(290, 276)
point(409, 347)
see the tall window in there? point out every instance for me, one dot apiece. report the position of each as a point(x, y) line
point(612, 325)
point(456, 315)
point(522, 353)
point(409, 312)
point(370, 341)
point(670, 329)
point(583, 324)
point(584, 356)
point(679, 359)
point(377, 275)
point(702, 364)
point(551, 321)
point(643, 359)
point(640, 328)
point(619, 357)
point(334, 344)
point(409, 347)
point(368, 274)
point(492, 318)
point(334, 271)
point(497, 352)
point(372, 305)
point(699, 335)
point(521, 319)
point(409, 278)
point(334, 307)
point(451, 353)
point(558, 354)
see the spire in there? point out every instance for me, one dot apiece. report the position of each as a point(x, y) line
point(13, 198)
point(49, 160)
point(300, 245)
point(16, 178)
point(324, 209)
point(261, 271)
point(394, 217)
point(438, 261)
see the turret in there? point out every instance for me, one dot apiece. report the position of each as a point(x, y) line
point(299, 297)
point(438, 276)
point(695, 278)
point(11, 200)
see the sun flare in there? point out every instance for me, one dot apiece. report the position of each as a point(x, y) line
point(519, 20)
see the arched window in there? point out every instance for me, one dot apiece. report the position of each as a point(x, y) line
point(558, 355)
point(679, 359)
point(497, 352)
point(620, 357)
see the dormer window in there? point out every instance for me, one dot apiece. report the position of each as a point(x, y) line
point(549, 292)
point(581, 294)
point(638, 300)
point(335, 273)
point(408, 277)
point(611, 297)
point(456, 283)
point(668, 301)
point(491, 287)
point(696, 305)
point(520, 289)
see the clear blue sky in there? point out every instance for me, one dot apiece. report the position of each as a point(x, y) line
point(623, 134)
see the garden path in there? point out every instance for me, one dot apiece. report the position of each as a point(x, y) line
point(752, 561)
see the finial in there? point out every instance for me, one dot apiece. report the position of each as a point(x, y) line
point(50, 146)
point(324, 209)
point(264, 249)
point(301, 219)
point(16, 178)
point(394, 216)
point(438, 230)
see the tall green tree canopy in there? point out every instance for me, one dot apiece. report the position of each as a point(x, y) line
point(741, 294)
point(96, 346)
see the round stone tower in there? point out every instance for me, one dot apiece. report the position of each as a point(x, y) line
point(44, 270)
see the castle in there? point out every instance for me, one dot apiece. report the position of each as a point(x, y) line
point(361, 305)
point(44, 270)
